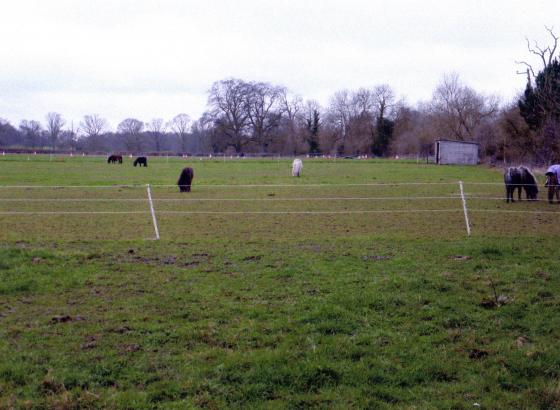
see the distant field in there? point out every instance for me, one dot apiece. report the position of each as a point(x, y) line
point(353, 286)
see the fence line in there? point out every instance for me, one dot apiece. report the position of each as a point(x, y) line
point(378, 198)
point(374, 198)
point(498, 198)
point(70, 212)
point(513, 211)
point(73, 199)
point(381, 184)
point(226, 185)
point(378, 211)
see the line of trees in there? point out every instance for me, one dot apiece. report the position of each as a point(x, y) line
point(259, 117)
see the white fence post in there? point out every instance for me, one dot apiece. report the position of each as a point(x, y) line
point(152, 211)
point(465, 208)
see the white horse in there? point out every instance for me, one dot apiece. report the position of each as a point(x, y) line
point(297, 166)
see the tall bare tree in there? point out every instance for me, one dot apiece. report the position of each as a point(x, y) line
point(131, 130)
point(459, 109)
point(359, 120)
point(31, 131)
point(263, 111)
point(181, 124)
point(55, 122)
point(384, 104)
point(544, 54)
point(292, 124)
point(94, 127)
point(156, 129)
point(228, 108)
point(338, 116)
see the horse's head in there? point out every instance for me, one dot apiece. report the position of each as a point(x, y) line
point(529, 182)
point(532, 191)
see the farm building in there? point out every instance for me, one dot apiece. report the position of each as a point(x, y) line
point(456, 152)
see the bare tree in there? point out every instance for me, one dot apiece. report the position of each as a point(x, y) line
point(384, 104)
point(203, 131)
point(93, 125)
point(156, 128)
point(359, 120)
point(384, 100)
point(459, 109)
point(55, 122)
point(181, 124)
point(338, 116)
point(545, 55)
point(292, 123)
point(131, 129)
point(31, 131)
point(228, 109)
point(263, 111)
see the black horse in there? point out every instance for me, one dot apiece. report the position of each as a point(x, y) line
point(185, 179)
point(141, 161)
point(113, 159)
point(520, 177)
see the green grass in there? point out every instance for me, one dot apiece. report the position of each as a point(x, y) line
point(377, 310)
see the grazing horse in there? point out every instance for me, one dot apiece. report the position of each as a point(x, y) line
point(297, 166)
point(520, 177)
point(113, 159)
point(185, 179)
point(552, 183)
point(141, 161)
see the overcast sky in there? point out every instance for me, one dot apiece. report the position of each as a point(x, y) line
point(155, 59)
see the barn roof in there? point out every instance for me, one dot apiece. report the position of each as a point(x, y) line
point(459, 142)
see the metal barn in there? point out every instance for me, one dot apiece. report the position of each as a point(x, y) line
point(456, 152)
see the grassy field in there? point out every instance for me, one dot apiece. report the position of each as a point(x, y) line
point(354, 286)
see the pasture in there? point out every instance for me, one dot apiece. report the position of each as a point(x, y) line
point(353, 286)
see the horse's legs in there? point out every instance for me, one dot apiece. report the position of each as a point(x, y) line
point(511, 192)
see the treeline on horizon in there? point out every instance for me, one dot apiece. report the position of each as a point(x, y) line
point(262, 118)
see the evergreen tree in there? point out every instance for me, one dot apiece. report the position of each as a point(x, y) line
point(540, 108)
point(384, 134)
point(541, 104)
point(313, 129)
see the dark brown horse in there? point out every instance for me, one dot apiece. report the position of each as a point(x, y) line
point(185, 179)
point(113, 159)
point(552, 183)
point(517, 178)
